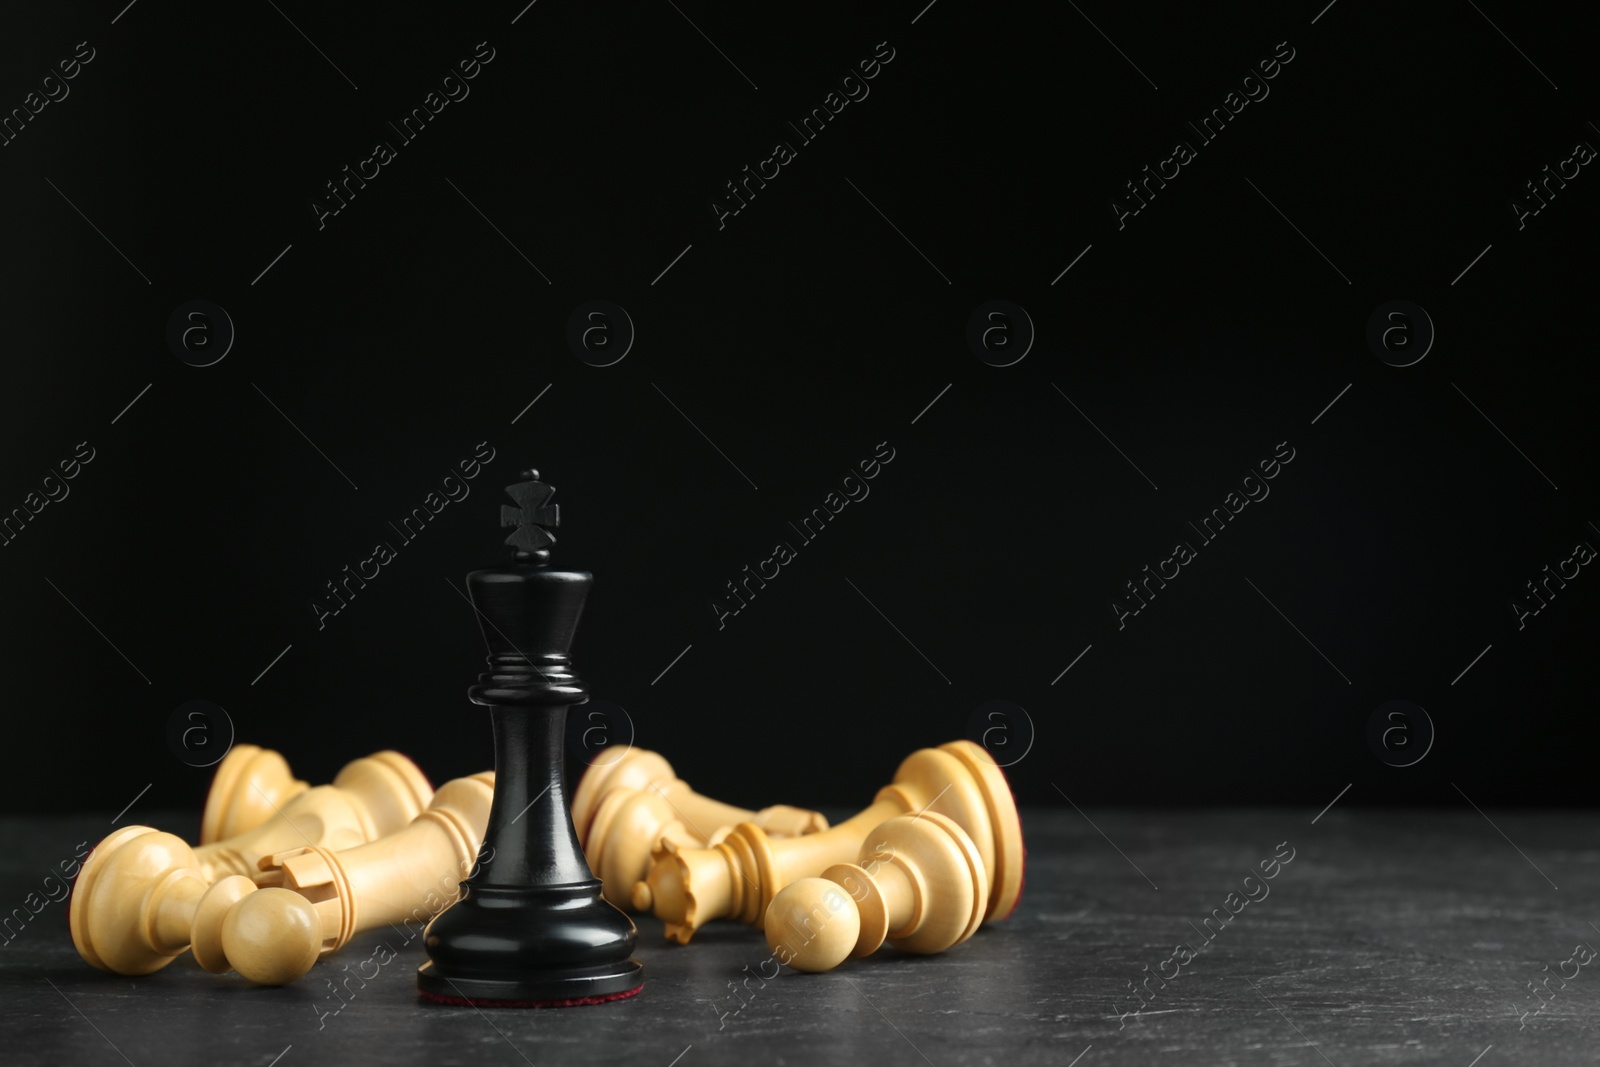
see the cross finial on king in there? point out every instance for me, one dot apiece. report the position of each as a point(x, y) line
point(534, 516)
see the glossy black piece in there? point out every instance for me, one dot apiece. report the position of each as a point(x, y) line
point(531, 925)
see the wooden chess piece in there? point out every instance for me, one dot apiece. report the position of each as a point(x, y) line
point(313, 900)
point(919, 884)
point(371, 797)
point(142, 897)
point(739, 876)
point(626, 804)
point(531, 928)
point(252, 784)
point(137, 901)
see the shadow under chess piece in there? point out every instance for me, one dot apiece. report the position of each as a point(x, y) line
point(252, 784)
point(739, 877)
point(919, 884)
point(531, 928)
point(627, 804)
point(142, 899)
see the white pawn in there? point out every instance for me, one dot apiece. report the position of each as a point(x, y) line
point(920, 885)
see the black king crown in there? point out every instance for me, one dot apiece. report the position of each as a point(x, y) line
point(531, 927)
point(534, 516)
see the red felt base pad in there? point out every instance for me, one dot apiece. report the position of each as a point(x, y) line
point(572, 1002)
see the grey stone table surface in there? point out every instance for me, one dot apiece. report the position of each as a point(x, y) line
point(1403, 936)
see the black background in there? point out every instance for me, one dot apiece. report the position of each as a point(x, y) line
point(797, 338)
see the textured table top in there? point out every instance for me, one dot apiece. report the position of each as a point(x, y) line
point(1400, 936)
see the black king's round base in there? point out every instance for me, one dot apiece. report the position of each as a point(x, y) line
point(555, 946)
point(531, 927)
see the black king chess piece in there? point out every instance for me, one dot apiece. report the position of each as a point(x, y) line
point(531, 928)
